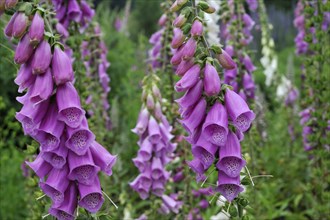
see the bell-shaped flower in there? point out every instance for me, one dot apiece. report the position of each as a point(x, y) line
point(196, 28)
point(62, 67)
point(189, 49)
point(61, 30)
point(179, 21)
point(215, 127)
point(211, 80)
point(158, 188)
point(102, 158)
point(82, 168)
point(157, 168)
point(39, 166)
point(150, 102)
point(74, 12)
point(229, 187)
point(165, 132)
point(146, 150)
point(230, 157)
point(56, 184)
point(57, 157)
point(173, 205)
point(238, 110)
point(225, 60)
point(87, 11)
point(204, 151)
point(142, 123)
point(248, 85)
point(80, 138)
point(138, 187)
point(9, 27)
point(248, 64)
point(50, 130)
point(140, 163)
point(230, 75)
point(42, 88)
point(20, 24)
point(189, 79)
point(25, 79)
point(66, 210)
point(69, 107)
point(191, 96)
point(196, 165)
point(37, 28)
point(177, 55)
point(154, 131)
point(41, 58)
point(178, 177)
point(31, 115)
point(248, 22)
point(203, 204)
point(24, 50)
point(178, 38)
point(91, 197)
point(184, 66)
point(196, 117)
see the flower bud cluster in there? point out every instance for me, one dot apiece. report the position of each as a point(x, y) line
point(236, 31)
point(69, 158)
point(299, 23)
point(214, 116)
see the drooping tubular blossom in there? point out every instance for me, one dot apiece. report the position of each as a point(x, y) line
point(305, 117)
point(299, 23)
point(216, 127)
point(69, 158)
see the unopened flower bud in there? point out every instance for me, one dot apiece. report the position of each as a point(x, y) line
point(150, 102)
point(36, 32)
point(197, 28)
point(10, 3)
point(179, 21)
point(178, 38)
point(9, 28)
point(226, 61)
point(162, 20)
point(20, 25)
point(206, 7)
point(156, 92)
point(62, 67)
point(41, 58)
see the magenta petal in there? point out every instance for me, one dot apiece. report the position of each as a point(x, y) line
point(50, 129)
point(142, 123)
point(91, 196)
point(57, 157)
point(197, 28)
point(146, 150)
point(24, 50)
point(230, 157)
point(196, 165)
point(103, 158)
point(140, 163)
point(37, 28)
point(41, 58)
point(158, 188)
point(154, 132)
point(74, 10)
point(229, 187)
point(211, 80)
point(61, 66)
point(56, 185)
point(189, 49)
point(191, 96)
point(189, 79)
point(40, 166)
point(25, 79)
point(82, 168)
point(215, 128)
point(68, 103)
point(196, 117)
point(42, 88)
point(157, 168)
point(204, 151)
point(184, 66)
point(20, 25)
point(66, 211)
point(9, 27)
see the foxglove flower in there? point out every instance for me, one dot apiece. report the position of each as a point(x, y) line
point(62, 67)
point(24, 50)
point(57, 157)
point(9, 27)
point(226, 61)
point(189, 79)
point(20, 24)
point(42, 57)
point(40, 166)
point(37, 28)
point(211, 80)
point(196, 28)
point(91, 196)
point(228, 187)
point(42, 88)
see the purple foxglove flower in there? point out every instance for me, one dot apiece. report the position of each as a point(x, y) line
point(154, 132)
point(162, 20)
point(158, 188)
point(189, 49)
point(24, 50)
point(142, 217)
point(206, 191)
point(248, 64)
point(166, 133)
point(164, 210)
point(178, 38)
point(178, 177)
point(242, 94)
point(50, 130)
point(61, 11)
point(215, 127)
point(248, 22)
point(230, 75)
point(193, 138)
point(211, 80)
point(228, 187)
point(157, 168)
point(9, 27)
point(140, 163)
point(20, 25)
point(253, 4)
point(37, 28)
point(87, 11)
point(179, 21)
point(61, 30)
point(69, 107)
point(203, 204)
point(74, 12)
point(196, 28)
point(158, 111)
point(150, 102)
point(146, 150)
point(137, 186)
point(196, 117)
point(82, 168)
point(31, 115)
point(204, 151)
point(10, 3)
point(196, 165)
point(189, 79)
point(291, 97)
point(41, 58)
point(155, 37)
point(142, 123)
point(184, 66)
point(42, 88)
point(102, 158)
point(39, 166)
point(80, 138)
point(191, 96)
point(248, 85)
point(230, 157)
point(57, 157)
point(66, 211)
point(171, 203)
point(62, 67)
point(56, 185)
point(91, 196)
point(226, 61)
point(25, 79)
point(238, 110)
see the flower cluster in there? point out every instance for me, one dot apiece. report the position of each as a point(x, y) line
point(237, 34)
point(72, 10)
point(156, 41)
point(200, 194)
point(299, 23)
point(305, 117)
point(69, 158)
point(155, 143)
point(215, 117)
point(94, 54)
